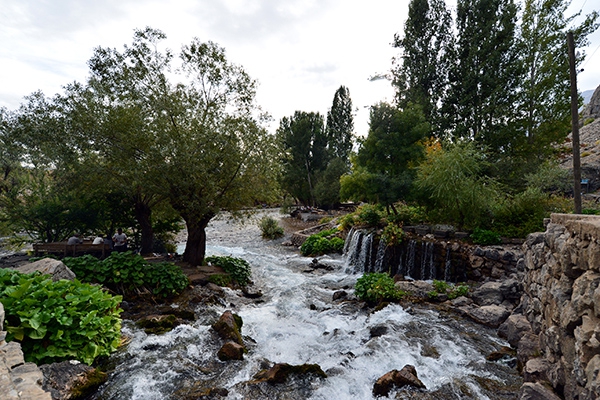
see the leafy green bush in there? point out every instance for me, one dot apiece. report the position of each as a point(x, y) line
point(270, 228)
point(220, 279)
point(485, 237)
point(449, 289)
point(238, 268)
point(127, 273)
point(393, 235)
point(407, 215)
point(56, 321)
point(377, 287)
point(319, 243)
point(525, 212)
point(368, 215)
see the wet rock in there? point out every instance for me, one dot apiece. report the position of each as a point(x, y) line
point(488, 294)
point(157, 324)
point(231, 351)
point(251, 294)
point(199, 391)
point(48, 266)
point(536, 370)
point(340, 294)
point(407, 376)
point(528, 348)
point(378, 330)
point(71, 379)
point(229, 327)
point(502, 354)
point(537, 391)
point(514, 328)
point(492, 315)
point(279, 373)
point(419, 289)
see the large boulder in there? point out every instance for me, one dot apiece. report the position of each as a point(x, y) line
point(48, 266)
point(231, 351)
point(279, 373)
point(592, 109)
point(71, 379)
point(229, 327)
point(407, 376)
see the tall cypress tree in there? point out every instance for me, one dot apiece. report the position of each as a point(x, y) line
point(420, 73)
point(340, 125)
point(484, 75)
point(544, 101)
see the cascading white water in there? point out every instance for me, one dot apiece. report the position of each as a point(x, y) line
point(297, 322)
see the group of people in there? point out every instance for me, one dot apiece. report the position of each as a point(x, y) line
point(118, 242)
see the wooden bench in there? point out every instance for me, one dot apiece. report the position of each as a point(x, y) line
point(64, 249)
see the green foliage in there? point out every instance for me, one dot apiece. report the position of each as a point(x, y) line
point(393, 235)
point(377, 287)
point(524, 213)
point(407, 214)
point(62, 320)
point(449, 289)
point(128, 273)
point(270, 228)
point(383, 169)
point(485, 237)
point(550, 177)
point(319, 243)
point(237, 268)
point(220, 279)
point(452, 184)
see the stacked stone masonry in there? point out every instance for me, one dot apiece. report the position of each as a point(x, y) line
point(18, 380)
point(561, 302)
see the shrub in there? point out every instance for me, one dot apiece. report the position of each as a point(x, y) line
point(369, 215)
point(393, 235)
point(126, 273)
point(407, 215)
point(449, 289)
point(377, 287)
point(319, 243)
point(485, 237)
point(237, 268)
point(56, 321)
point(220, 279)
point(270, 228)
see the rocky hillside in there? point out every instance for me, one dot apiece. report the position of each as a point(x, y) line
point(589, 140)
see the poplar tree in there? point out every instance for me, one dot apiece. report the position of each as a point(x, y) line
point(484, 74)
point(420, 73)
point(340, 125)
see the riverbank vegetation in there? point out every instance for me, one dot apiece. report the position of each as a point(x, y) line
point(57, 321)
point(152, 142)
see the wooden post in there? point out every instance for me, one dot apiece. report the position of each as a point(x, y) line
point(575, 125)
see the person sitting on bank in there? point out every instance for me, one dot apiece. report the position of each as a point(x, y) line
point(120, 240)
point(98, 240)
point(74, 240)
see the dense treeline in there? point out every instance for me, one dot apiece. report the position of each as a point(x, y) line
point(151, 139)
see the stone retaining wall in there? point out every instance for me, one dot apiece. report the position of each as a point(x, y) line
point(18, 380)
point(561, 302)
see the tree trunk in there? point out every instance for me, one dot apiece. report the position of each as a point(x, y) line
point(195, 247)
point(143, 212)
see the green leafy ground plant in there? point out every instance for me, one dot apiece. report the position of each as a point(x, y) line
point(321, 243)
point(127, 273)
point(270, 228)
point(56, 321)
point(237, 268)
point(377, 287)
point(449, 289)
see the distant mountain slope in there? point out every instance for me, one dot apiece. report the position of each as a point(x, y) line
point(587, 95)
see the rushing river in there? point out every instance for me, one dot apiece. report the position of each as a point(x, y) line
point(297, 322)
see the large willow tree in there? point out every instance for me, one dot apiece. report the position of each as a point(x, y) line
point(185, 131)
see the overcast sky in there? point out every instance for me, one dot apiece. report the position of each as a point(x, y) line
point(300, 51)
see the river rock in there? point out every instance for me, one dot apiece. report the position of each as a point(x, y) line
point(513, 328)
point(536, 370)
point(488, 294)
point(280, 372)
point(48, 266)
point(231, 351)
point(71, 379)
point(407, 376)
point(492, 315)
point(537, 391)
point(229, 327)
point(157, 324)
point(419, 289)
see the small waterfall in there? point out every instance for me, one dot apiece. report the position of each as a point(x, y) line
point(352, 249)
point(366, 256)
point(379, 267)
point(410, 258)
point(447, 265)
